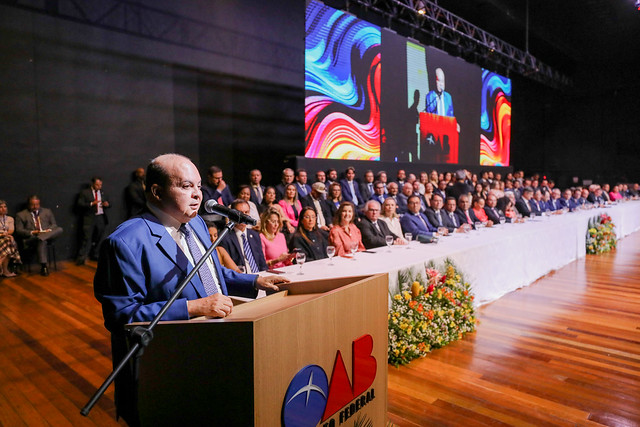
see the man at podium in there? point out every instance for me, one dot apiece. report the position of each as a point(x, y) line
point(142, 263)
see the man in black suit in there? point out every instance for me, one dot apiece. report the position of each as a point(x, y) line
point(287, 178)
point(465, 213)
point(303, 188)
point(451, 207)
point(93, 204)
point(490, 209)
point(374, 232)
point(367, 187)
point(136, 200)
point(378, 192)
point(243, 244)
point(316, 200)
point(522, 204)
point(460, 187)
point(257, 189)
point(437, 216)
point(442, 186)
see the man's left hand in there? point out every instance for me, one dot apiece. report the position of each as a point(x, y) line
point(270, 282)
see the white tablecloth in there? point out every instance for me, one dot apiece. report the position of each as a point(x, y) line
point(495, 260)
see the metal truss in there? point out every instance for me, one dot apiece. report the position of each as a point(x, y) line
point(141, 20)
point(459, 37)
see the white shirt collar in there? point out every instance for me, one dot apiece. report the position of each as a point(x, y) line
point(166, 219)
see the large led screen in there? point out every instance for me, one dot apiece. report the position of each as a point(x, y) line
point(372, 94)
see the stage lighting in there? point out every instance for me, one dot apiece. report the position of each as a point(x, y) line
point(638, 5)
point(422, 9)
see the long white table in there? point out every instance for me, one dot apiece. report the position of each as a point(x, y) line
point(494, 260)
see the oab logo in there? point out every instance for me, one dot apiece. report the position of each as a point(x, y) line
point(311, 398)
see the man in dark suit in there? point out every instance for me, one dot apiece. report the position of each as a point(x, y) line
point(465, 213)
point(437, 216)
point(257, 189)
point(143, 262)
point(536, 204)
point(35, 226)
point(287, 178)
point(450, 208)
point(565, 200)
point(460, 187)
point(378, 192)
point(403, 199)
point(136, 201)
point(522, 204)
point(216, 188)
point(350, 188)
point(317, 201)
point(415, 222)
point(367, 187)
point(442, 186)
point(374, 232)
point(302, 187)
point(554, 202)
point(93, 205)
point(490, 209)
point(243, 244)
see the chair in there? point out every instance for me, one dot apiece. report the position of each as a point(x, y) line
point(28, 254)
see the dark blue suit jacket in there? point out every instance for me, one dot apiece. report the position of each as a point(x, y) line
point(298, 188)
point(554, 206)
point(411, 224)
point(141, 266)
point(209, 193)
point(254, 195)
point(377, 198)
point(346, 192)
point(231, 244)
point(432, 103)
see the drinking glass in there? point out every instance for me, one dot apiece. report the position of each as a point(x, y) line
point(442, 231)
point(301, 257)
point(354, 249)
point(503, 219)
point(331, 251)
point(478, 225)
point(408, 237)
point(389, 241)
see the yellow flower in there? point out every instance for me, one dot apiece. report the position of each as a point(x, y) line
point(397, 297)
point(406, 295)
point(416, 289)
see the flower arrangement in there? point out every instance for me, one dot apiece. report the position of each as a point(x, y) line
point(429, 312)
point(601, 236)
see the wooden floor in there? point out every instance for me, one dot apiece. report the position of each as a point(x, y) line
point(564, 351)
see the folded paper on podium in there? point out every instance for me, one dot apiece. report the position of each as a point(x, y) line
point(314, 354)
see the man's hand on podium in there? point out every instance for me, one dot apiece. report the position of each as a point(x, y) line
point(269, 282)
point(216, 305)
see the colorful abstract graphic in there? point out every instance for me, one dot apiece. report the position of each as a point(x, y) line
point(495, 121)
point(342, 85)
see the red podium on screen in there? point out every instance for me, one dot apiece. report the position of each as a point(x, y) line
point(438, 138)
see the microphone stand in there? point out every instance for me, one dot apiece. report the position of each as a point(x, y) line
point(142, 335)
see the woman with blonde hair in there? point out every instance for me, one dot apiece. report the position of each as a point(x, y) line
point(390, 216)
point(274, 243)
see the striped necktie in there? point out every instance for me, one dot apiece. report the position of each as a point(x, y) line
point(248, 255)
point(207, 278)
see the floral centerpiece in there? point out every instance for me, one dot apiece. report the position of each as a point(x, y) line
point(430, 311)
point(601, 235)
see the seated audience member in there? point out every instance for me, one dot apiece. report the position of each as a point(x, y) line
point(286, 179)
point(614, 194)
point(321, 176)
point(605, 192)
point(303, 188)
point(243, 244)
point(392, 191)
point(401, 177)
point(595, 195)
point(584, 194)
point(390, 216)
point(382, 177)
point(536, 204)
point(464, 212)
point(257, 189)
point(437, 216)
point(373, 230)
point(274, 244)
point(367, 187)
point(334, 198)
point(505, 204)
point(493, 214)
point(269, 201)
point(317, 201)
point(378, 192)
point(478, 211)
point(216, 188)
point(290, 204)
point(415, 222)
point(8, 247)
point(350, 188)
point(554, 201)
point(308, 238)
point(434, 177)
point(244, 193)
point(574, 201)
point(478, 191)
point(344, 232)
point(407, 191)
point(332, 176)
point(223, 255)
point(451, 209)
point(427, 193)
point(565, 200)
point(523, 203)
point(634, 191)
point(35, 226)
point(442, 187)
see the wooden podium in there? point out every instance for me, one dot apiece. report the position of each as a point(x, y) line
point(240, 370)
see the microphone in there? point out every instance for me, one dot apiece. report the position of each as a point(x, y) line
point(211, 206)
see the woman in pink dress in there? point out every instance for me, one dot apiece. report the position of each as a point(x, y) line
point(478, 210)
point(274, 244)
point(291, 205)
point(614, 194)
point(344, 233)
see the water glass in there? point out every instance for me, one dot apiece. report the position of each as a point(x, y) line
point(331, 251)
point(389, 241)
point(301, 257)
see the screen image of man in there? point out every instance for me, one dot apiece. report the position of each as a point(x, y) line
point(439, 101)
point(144, 260)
